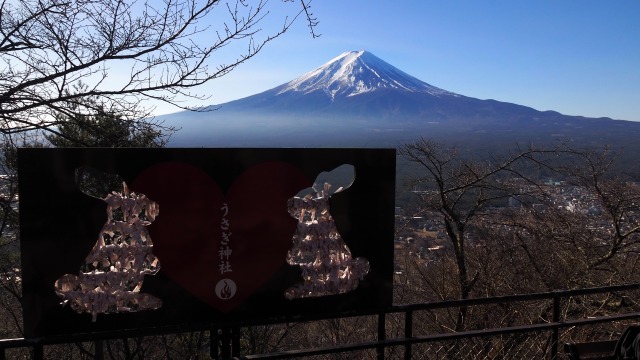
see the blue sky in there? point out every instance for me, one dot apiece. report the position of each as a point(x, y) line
point(575, 57)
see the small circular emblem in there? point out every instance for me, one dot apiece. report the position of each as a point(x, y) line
point(226, 289)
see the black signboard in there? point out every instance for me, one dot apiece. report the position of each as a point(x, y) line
point(134, 238)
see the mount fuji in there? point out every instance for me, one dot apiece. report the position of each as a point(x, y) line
point(359, 100)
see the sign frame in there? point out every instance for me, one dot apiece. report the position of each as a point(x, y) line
point(60, 225)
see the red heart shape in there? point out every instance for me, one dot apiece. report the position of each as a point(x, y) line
point(187, 235)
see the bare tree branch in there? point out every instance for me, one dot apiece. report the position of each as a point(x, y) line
point(48, 47)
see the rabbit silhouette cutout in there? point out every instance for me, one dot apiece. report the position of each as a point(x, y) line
point(111, 277)
point(318, 248)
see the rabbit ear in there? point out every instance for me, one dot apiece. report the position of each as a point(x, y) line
point(338, 179)
point(97, 183)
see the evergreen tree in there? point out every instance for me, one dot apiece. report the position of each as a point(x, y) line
point(105, 129)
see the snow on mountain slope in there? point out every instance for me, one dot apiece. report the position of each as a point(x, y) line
point(354, 73)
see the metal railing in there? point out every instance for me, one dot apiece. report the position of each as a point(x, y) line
point(471, 344)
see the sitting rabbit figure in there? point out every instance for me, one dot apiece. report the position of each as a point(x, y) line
point(323, 256)
point(111, 277)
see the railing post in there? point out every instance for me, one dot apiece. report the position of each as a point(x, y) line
point(213, 343)
point(225, 344)
point(408, 333)
point(98, 346)
point(555, 338)
point(382, 335)
point(38, 352)
point(235, 342)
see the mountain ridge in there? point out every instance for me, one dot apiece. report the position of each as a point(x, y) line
point(357, 99)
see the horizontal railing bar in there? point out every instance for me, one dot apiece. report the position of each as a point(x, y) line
point(442, 337)
point(86, 337)
point(513, 298)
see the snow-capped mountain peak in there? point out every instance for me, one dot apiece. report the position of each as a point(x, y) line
point(357, 72)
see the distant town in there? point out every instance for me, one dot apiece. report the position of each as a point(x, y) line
point(423, 236)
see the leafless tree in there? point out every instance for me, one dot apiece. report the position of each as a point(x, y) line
point(463, 191)
point(457, 190)
point(10, 274)
point(512, 231)
point(614, 197)
point(54, 54)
